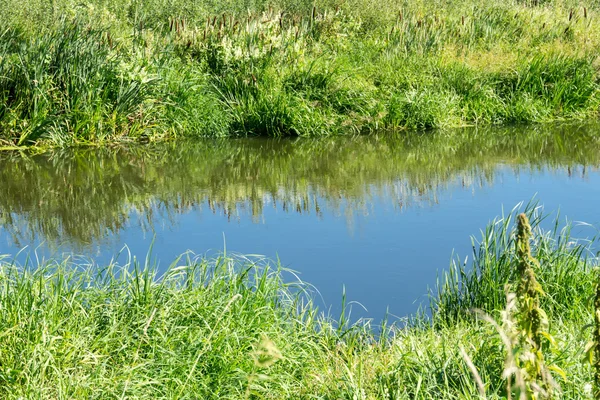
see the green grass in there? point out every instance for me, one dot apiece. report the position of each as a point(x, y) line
point(121, 70)
point(237, 328)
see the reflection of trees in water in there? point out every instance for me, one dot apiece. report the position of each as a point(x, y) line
point(84, 195)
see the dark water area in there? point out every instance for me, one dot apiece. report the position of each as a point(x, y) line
point(379, 216)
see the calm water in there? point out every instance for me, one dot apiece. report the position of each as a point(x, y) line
point(378, 215)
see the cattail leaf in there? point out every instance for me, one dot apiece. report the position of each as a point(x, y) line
point(549, 337)
point(558, 370)
point(589, 352)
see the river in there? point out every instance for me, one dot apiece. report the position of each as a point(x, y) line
point(378, 216)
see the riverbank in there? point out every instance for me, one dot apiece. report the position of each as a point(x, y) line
point(103, 72)
point(231, 327)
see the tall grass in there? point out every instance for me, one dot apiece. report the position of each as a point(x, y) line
point(80, 331)
point(481, 284)
point(127, 70)
point(67, 82)
point(233, 327)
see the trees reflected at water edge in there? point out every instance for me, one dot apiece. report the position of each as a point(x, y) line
point(85, 195)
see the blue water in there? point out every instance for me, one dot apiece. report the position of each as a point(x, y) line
point(386, 256)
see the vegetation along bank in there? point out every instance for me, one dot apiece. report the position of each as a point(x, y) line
point(97, 71)
point(516, 322)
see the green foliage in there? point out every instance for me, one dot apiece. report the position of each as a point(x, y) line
point(232, 327)
point(534, 358)
point(106, 71)
point(531, 316)
point(531, 325)
point(596, 343)
point(123, 331)
point(68, 81)
point(481, 285)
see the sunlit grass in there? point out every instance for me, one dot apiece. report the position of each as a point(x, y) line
point(93, 73)
point(234, 327)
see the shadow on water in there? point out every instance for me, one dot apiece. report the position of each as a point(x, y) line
point(82, 196)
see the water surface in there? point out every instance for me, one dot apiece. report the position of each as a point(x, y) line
point(378, 215)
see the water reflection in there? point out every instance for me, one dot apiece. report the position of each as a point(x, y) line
point(85, 196)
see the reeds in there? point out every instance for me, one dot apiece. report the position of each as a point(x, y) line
point(234, 327)
point(207, 70)
point(128, 331)
point(68, 82)
point(596, 342)
point(481, 284)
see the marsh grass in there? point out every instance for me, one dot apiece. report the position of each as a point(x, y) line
point(481, 284)
point(75, 331)
point(120, 70)
point(238, 327)
point(67, 81)
point(534, 358)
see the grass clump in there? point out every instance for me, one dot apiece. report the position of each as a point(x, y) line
point(121, 70)
point(67, 83)
point(206, 328)
point(594, 345)
point(232, 327)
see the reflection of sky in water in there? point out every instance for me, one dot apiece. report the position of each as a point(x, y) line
point(386, 256)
